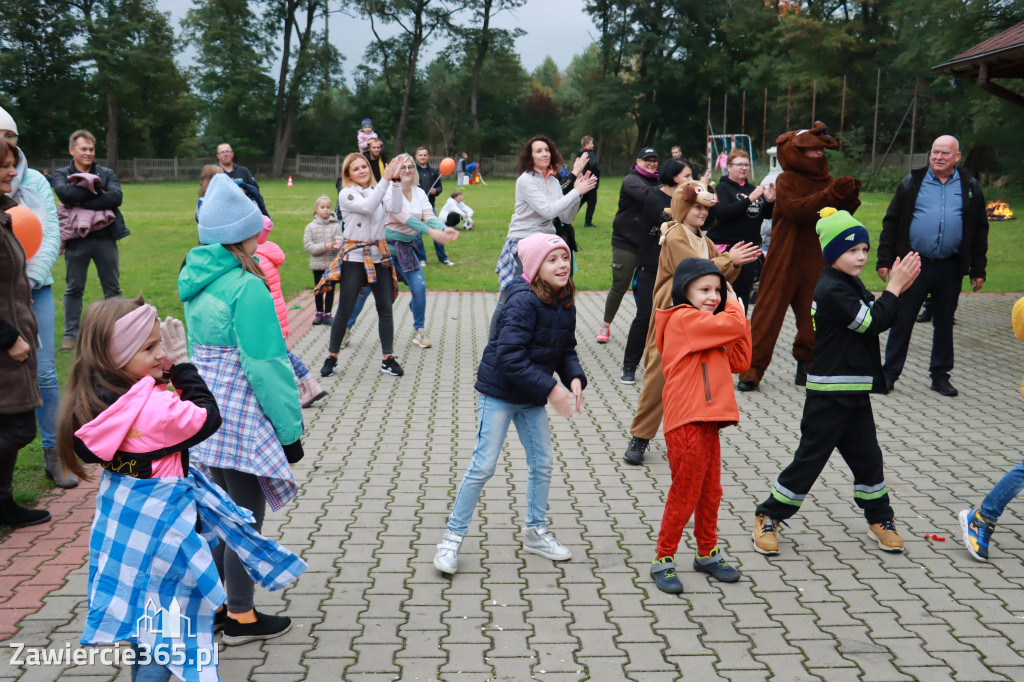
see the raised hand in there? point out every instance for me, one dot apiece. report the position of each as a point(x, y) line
point(580, 164)
point(172, 334)
point(744, 252)
point(584, 183)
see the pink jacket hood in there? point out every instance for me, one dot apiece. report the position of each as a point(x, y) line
point(145, 419)
point(271, 252)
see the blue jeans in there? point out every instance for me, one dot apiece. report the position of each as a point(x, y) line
point(417, 287)
point(46, 317)
point(364, 293)
point(153, 672)
point(493, 418)
point(1008, 488)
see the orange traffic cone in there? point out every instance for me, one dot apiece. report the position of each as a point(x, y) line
point(289, 181)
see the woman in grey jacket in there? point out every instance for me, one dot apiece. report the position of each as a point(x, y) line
point(539, 200)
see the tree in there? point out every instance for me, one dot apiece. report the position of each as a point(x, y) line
point(418, 20)
point(479, 41)
point(131, 46)
point(231, 75)
point(296, 19)
point(42, 82)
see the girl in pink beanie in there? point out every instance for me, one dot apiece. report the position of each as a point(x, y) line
point(536, 338)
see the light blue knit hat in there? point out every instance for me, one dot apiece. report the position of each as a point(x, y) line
point(227, 215)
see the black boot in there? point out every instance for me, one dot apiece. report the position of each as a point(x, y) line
point(14, 516)
point(635, 452)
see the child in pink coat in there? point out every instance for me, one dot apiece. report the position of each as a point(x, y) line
point(271, 258)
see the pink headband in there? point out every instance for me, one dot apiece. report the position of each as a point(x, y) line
point(130, 332)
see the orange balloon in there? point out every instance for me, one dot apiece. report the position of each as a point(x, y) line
point(27, 229)
point(447, 166)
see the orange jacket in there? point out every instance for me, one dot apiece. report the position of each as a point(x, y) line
point(700, 352)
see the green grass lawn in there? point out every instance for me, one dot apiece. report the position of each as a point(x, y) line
point(161, 218)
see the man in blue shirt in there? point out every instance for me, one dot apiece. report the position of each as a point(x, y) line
point(938, 211)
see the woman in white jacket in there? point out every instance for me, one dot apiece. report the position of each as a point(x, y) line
point(539, 200)
point(364, 259)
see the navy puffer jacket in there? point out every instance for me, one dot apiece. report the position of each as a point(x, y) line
point(534, 341)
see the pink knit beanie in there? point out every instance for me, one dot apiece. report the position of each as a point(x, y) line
point(534, 249)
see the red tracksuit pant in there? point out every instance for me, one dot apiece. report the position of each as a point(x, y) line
point(695, 458)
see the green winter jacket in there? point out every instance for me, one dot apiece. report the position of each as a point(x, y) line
point(226, 306)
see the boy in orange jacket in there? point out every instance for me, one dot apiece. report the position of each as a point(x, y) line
point(704, 339)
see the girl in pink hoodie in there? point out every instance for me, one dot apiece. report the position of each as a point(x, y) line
point(149, 546)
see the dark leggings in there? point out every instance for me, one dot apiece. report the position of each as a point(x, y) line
point(244, 490)
point(637, 339)
point(353, 278)
point(16, 431)
point(324, 301)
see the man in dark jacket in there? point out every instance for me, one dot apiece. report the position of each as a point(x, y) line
point(628, 232)
point(99, 246)
point(226, 159)
point(938, 211)
point(430, 183)
point(590, 198)
point(376, 158)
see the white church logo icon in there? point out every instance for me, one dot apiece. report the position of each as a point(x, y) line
point(168, 623)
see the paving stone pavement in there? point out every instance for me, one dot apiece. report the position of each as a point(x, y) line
point(384, 455)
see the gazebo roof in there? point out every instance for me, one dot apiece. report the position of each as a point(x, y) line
point(1002, 53)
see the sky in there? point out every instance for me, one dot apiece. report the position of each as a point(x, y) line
point(560, 29)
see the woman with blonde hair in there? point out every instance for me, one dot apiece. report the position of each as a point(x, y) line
point(364, 259)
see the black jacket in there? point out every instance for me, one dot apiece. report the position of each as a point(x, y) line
point(427, 177)
point(186, 380)
point(534, 341)
point(110, 200)
point(591, 164)
point(895, 238)
point(847, 322)
point(244, 174)
point(628, 228)
point(656, 212)
point(734, 218)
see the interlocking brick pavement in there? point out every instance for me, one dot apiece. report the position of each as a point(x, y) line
point(384, 456)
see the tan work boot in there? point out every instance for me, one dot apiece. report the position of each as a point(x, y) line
point(766, 534)
point(888, 539)
point(68, 343)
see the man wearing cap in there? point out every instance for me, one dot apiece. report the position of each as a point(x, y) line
point(939, 212)
point(99, 246)
point(226, 159)
point(628, 232)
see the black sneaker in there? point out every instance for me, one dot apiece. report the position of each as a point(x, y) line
point(391, 366)
point(220, 619)
point(635, 452)
point(16, 516)
point(329, 364)
point(628, 374)
point(265, 627)
point(943, 387)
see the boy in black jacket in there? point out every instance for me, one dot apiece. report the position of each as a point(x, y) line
point(846, 368)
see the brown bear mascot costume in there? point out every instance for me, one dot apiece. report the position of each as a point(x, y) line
point(794, 260)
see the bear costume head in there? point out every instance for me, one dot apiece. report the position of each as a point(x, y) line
point(792, 145)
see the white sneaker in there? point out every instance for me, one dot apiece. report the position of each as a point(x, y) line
point(539, 540)
point(419, 338)
point(423, 263)
point(449, 263)
point(447, 558)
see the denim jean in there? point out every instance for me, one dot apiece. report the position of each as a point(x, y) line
point(493, 418)
point(154, 672)
point(77, 254)
point(1008, 488)
point(364, 293)
point(417, 287)
point(442, 255)
point(46, 416)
